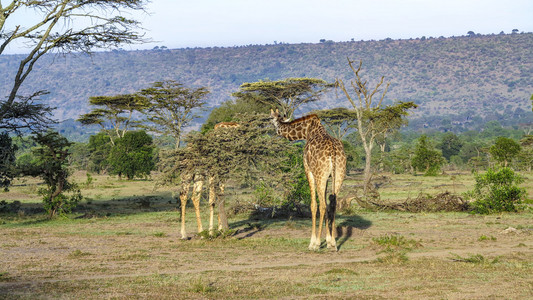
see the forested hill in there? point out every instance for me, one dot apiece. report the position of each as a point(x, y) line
point(456, 81)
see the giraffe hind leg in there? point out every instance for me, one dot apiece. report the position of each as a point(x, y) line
point(197, 191)
point(321, 190)
point(315, 242)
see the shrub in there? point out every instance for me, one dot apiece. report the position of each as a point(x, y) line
point(51, 164)
point(497, 191)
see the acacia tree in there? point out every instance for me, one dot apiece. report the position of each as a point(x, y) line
point(114, 113)
point(171, 107)
point(338, 120)
point(287, 95)
point(249, 153)
point(55, 30)
point(373, 119)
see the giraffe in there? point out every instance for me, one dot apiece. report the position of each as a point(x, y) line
point(188, 176)
point(323, 157)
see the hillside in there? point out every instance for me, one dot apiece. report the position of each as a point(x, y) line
point(457, 82)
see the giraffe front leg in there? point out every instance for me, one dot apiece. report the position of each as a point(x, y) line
point(183, 200)
point(212, 201)
point(197, 191)
point(315, 242)
point(321, 190)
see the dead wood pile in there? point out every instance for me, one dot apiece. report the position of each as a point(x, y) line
point(445, 201)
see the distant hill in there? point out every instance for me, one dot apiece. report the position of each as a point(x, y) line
point(458, 82)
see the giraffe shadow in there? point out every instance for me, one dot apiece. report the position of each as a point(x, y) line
point(348, 226)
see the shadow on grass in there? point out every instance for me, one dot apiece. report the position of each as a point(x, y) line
point(32, 213)
point(345, 225)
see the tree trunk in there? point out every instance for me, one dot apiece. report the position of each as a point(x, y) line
point(368, 170)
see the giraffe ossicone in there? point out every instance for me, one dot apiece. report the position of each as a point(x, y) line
point(324, 157)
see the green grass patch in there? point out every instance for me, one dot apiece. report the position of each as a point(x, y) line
point(486, 238)
point(78, 253)
point(390, 243)
point(475, 259)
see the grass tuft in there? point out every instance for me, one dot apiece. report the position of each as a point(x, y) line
point(475, 259)
point(198, 286)
point(217, 234)
point(486, 238)
point(160, 234)
point(78, 253)
point(391, 243)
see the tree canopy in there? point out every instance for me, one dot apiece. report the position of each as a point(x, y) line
point(504, 150)
point(287, 95)
point(114, 113)
point(132, 155)
point(171, 106)
point(54, 28)
point(337, 120)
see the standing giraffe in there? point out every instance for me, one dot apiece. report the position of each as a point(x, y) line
point(323, 156)
point(191, 175)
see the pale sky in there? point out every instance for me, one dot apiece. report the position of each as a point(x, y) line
point(207, 23)
point(203, 23)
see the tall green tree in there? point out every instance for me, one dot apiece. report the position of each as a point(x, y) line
point(57, 26)
point(114, 113)
point(426, 158)
point(171, 107)
point(374, 120)
point(504, 150)
point(132, 155)
point(7, 160)
point(287, 95)
point(450, 145)
point(51, 164)
point(99, 147)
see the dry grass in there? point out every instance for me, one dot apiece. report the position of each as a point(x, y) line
point(121, 248)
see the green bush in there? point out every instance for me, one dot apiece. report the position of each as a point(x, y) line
point(264, 195)
point(497, 191)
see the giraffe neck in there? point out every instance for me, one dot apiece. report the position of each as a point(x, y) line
point(300, 129)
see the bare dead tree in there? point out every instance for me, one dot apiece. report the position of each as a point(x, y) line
point(374, 120)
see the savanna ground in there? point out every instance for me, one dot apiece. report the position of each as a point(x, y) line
point(123, 242)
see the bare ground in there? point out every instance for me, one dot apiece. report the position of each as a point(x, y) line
point(457, 256)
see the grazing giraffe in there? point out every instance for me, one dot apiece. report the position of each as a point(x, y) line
point(323, 156)
point(190, 175)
